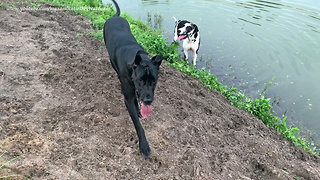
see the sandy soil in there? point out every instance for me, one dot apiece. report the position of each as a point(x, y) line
point(61, 106)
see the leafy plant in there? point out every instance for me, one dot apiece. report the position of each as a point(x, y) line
point(3, 5)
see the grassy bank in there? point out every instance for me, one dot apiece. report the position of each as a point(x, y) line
point(155, 43)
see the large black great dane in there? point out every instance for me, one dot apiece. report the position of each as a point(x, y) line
point(138, 74)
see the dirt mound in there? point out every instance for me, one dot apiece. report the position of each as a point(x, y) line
point(61, 106)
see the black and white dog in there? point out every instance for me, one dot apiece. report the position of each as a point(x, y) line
point(189, 33)
point(138, 74)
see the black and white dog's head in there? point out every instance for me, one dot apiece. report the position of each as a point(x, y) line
point(185, 29)
point(144, 77)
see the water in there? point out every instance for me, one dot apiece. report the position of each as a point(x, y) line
point(248, 43)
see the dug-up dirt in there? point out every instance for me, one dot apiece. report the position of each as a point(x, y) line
point(62, 109)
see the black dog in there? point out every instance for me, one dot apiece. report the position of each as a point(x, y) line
point(137, 73)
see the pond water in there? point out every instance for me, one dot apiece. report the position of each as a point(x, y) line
point(247, 43)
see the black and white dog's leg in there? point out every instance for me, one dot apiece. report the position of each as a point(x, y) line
point(185, 52)
point(194, 57)
point(130, 101)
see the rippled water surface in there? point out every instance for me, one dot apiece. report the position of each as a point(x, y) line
point(248, 43)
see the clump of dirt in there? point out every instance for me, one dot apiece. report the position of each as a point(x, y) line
point(61, 106)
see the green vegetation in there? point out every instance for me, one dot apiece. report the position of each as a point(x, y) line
point(77, 35)
point(4, 163)
point(154, 43)
point(287, 173)
point(35, 5)
point(2, 5)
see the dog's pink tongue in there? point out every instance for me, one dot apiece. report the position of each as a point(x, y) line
point(181, 37)
point(146, 110)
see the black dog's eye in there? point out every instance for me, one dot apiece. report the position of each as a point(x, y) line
point(179, 31)
point(141, 81)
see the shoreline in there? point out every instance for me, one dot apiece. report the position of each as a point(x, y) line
point(62, 107)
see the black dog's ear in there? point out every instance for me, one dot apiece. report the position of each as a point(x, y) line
point(137, 60)
point(130, 55)
point(156, 60)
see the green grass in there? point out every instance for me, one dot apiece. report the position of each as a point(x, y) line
point(154, 43)
point(6, 162)
point(3, 5)
point(77, 35)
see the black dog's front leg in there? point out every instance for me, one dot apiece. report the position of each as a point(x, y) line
point(137, 108)
point(131, 104)
point(143, 143)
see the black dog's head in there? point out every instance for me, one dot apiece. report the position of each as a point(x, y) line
point(144, 77)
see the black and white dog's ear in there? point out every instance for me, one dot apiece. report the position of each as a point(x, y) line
point(156, 60)
point(194, 26)
point(177, 21)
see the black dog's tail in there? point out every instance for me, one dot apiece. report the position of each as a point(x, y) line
point(117, 7)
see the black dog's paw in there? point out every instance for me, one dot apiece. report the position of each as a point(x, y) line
point(145, 149)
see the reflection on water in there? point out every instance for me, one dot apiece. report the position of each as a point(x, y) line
point(259, 4)
point(317, 18)
point(268, 6)
point(246, 43)
point(254, 17)
point(154, 2)
point(155, 20)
